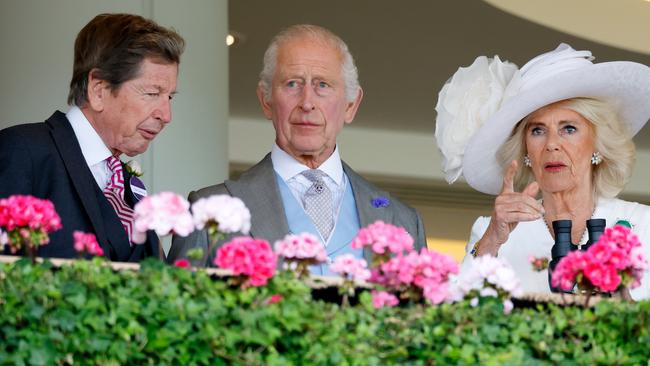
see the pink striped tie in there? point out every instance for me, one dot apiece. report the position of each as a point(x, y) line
point(114, 193)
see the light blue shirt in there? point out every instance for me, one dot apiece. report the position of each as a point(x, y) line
point(289, 170)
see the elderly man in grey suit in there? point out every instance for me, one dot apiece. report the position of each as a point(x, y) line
point(309, 89)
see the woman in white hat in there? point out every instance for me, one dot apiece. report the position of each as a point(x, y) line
point(561, 128)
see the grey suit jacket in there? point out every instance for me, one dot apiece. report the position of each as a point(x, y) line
point(258, 188)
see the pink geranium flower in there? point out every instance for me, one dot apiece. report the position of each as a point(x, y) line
point(300, 251)
point(397, 268)
point(423, 274)
point(350, 267)
point(383, 238)
point(539, 263)
point(87, 243)
point(21, 211)
point(603, 276)
point(615, 261)
point(182, 263)
point(274, 299)
point(165, 213)
point(637, 259)
point(381, 299)
point(27, 221)
point(248, 257)
point(304, 246)
point(568, 268)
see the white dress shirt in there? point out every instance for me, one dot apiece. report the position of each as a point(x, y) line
point(93, 148)
point(289, 169)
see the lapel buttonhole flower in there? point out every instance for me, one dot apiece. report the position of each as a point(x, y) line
point(133, 168)
point(378, 202)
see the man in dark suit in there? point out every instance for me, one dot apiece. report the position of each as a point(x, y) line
point(309, 89)
point(124, 77)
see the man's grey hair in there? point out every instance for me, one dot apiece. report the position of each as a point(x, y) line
point(350, 73)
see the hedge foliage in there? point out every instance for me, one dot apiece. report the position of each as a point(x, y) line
point(88, 314)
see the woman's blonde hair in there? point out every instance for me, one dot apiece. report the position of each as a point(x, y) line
point(611, 139)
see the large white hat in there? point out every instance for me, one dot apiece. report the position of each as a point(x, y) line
point(481, 104)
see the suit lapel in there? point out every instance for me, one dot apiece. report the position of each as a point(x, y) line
point(364, 194)
point(78, 171)
point(107, 226)
point(259, 190)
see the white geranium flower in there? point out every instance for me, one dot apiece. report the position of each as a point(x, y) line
point(472, 95)
point(229, 212)
point(474, 302)
point(507, 280)
point(165, 213)
point(507, 306)
point(4, 239)
point(488, 277)
point(488, 292)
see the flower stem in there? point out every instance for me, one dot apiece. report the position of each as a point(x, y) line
point(624, 292)
point(214, 235)
point(344, 301)
point(32, 252)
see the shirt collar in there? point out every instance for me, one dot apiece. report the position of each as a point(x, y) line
point(288, 167)
point(92, 146)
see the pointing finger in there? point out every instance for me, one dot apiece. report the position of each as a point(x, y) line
point(509, 177)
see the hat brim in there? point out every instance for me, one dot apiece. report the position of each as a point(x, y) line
point(625, 85)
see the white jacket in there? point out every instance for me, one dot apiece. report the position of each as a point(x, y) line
point(533, 238)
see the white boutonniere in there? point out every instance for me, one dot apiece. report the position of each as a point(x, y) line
point(133, 168)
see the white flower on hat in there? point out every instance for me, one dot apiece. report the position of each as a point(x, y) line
point(472, 95)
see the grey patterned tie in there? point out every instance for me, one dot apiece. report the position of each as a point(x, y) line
point(318, 202)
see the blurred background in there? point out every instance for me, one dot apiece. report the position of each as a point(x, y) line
point(405, 51)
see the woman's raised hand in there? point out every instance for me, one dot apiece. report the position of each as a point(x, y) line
point(510, 208)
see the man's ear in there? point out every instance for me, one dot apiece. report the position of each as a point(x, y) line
point(353, 106)
point(266, 106)
point(97, 92)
